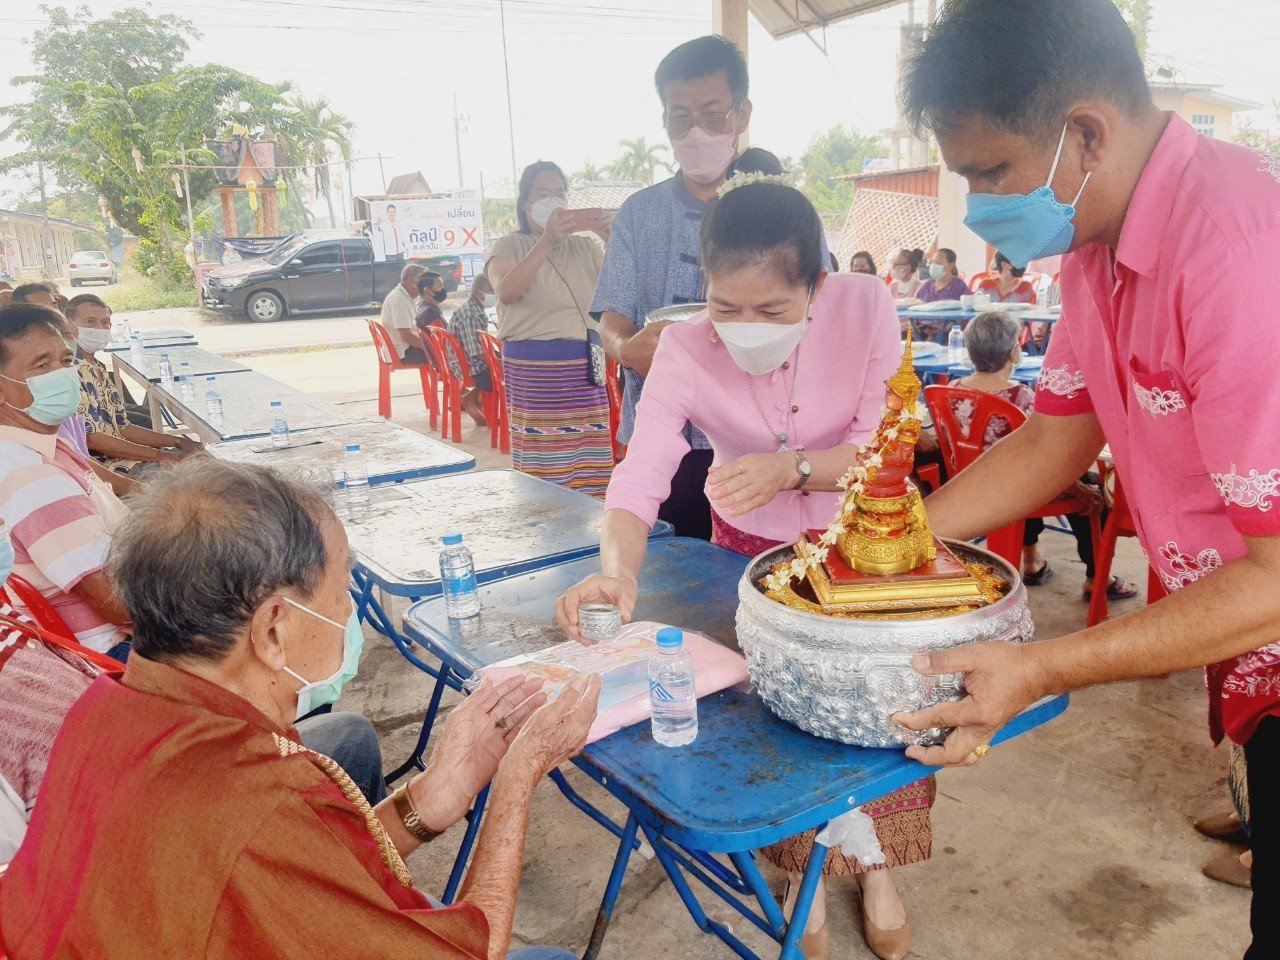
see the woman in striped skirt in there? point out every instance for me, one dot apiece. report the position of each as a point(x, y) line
point(544, 277)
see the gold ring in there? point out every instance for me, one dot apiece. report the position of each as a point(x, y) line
point(982, 751)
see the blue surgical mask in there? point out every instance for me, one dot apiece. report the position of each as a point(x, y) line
point(1026, 227)
point(6, 553)
point(54, 395)
point(317, 693)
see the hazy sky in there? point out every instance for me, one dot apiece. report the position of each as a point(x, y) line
point(581, 72)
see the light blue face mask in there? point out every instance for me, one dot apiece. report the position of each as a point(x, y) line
point(6, 553)
point(54, 395)
point(316, 693)
point(1026, 227)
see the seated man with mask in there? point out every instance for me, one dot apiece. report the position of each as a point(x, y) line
point(253, 845)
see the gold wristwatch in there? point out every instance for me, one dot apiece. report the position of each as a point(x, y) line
point(408, 812)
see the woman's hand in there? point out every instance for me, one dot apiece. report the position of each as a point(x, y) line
point(558, 226)
point(1090, 496)
point(597, 588)
point(472, 742)
point(749, 483)
point(558, 731)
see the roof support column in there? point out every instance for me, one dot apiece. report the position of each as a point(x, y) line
point(729, 20)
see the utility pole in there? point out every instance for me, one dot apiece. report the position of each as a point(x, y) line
point(44, 223)
point(506, 73)
point(458, 131)
point(191, 222)
point(382, 170)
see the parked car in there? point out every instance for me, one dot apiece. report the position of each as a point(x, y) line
point(310, 275)
point(91, 265)
point(449, 267)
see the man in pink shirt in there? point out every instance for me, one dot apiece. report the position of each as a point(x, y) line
point(1154, 355)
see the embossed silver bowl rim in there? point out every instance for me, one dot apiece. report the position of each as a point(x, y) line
point(878, 632)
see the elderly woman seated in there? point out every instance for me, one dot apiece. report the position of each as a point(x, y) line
point(992, 342)
point(202, 827)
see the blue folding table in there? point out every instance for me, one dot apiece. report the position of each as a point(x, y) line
point(749, 780)
point(512, 524)
point(392, 453)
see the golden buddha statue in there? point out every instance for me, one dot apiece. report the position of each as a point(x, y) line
point(887, 532)
point(887, 564)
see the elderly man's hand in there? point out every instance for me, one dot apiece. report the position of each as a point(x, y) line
point(473, 741)
point(188, 446)
point(637, 353)
point(558, 731)
point(1001, 679)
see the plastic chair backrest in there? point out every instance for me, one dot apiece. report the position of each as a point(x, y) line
point(36, 606)
point(382, 343)
point(442, 343)
point(980, 278)
point(959, 449)
point(493, 358)
point(36, 632)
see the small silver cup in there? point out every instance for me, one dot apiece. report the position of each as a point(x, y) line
point(599, 622)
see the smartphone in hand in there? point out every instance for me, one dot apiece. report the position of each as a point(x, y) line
point(587, 220)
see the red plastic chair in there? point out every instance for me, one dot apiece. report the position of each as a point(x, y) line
point(440, 343)
point(32, 601)
point(35, 631)
point(613, 387)
point(389, 362)
point(979, 279)
point(1119, 524)
point(499, 424)
point(960, 449)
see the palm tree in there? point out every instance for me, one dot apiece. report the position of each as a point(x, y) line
point(322, 130)
point(590, 173)
point(640, 160)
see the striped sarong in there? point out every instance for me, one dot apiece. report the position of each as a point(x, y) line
point(559, 418)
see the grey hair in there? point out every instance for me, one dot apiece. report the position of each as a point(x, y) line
point(990, 339)
point(205, 543)
point(412, 271)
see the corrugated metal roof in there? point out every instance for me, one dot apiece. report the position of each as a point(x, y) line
point(605, 196)
point(785, 18)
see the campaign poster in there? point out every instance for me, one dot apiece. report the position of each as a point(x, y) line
point(414, 229)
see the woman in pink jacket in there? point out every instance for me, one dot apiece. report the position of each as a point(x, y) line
point(785, 375)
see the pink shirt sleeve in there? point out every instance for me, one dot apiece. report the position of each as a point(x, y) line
point(1234, 404)
point(1061, 390)
point(642, 481)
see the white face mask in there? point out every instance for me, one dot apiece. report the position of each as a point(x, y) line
point(91, 339)
point(540, 211)
point(760, 348)
point(490, 301)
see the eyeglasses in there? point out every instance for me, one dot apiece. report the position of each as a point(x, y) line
point(713, 121)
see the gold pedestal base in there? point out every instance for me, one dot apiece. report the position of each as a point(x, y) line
point(892, 536)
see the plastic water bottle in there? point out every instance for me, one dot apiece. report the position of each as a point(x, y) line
point(135, 349)
point(279, 425)
point(166, 372)
point(355, 477)
point(213, 402)
point(673, 702)
point(955, 345)
point(458, 577)
point(186, 392)
point(121, 332)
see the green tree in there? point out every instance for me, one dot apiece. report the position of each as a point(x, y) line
point(640, 160)
point(590, 173)
point(1263, 141)
point(1137, 13)
point(837, 152)
point(111, 108)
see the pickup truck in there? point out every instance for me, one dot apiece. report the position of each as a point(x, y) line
point(310, 275)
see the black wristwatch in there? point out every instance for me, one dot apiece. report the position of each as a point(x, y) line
point(803, 467)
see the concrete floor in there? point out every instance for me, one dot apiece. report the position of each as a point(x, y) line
point(1072, 842)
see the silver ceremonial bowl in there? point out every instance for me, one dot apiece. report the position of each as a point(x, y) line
point(843, 679)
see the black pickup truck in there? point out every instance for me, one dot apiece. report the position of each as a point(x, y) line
point(310, 275)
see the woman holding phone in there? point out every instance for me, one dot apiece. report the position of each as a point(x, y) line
point(785, 375)
point(544, 277)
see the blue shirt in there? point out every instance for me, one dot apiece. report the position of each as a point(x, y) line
point(651, 262)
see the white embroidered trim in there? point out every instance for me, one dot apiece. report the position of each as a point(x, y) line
point(1269, 165)
point(1255, 490)
point(1158, 402)
point(1061, 381)
point(1255, 674)
point(1186, 568)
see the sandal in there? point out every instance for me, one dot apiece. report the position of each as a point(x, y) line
point(1117, 589)
point(1038, 578)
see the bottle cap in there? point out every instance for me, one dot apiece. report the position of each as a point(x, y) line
point(276, 403)
point(210, 379)
point(164, 356)
point(670, 637)
point(353, 448)
point(452, 539)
